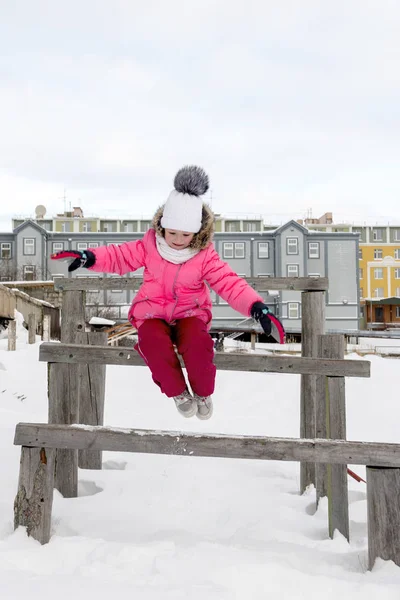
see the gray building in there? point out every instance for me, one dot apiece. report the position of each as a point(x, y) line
point(288, 251)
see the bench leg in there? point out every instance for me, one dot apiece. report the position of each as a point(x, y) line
point(33, 503)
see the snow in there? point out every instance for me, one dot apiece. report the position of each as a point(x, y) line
point(101, 321)
point(151, 527)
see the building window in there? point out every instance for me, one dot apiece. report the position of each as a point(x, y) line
point(398, 291)
point(232, 226)
point(29, 272)
point(361, 293)
point(293, 310)
point(378, 254)
point(377, 235)
point(263, 249)
point(250, 226)
point(93, 245)
point(81, 246)
point(29, 246)
point(233, 250)
point(292, 245)
point(239, 249)
point(5, 278)
point(228, 250)
point(397, 254)
point(396, 235)
point(313, 249)
point(145, 226)
point(397, 273)
point(360, 273)
point(86, 227)
point(65, 226)
point(397, 312)
point(292, 270)
point(5, 250)
point(360, 253)
point(58, 247)
point(378, 292)
point(378, 273)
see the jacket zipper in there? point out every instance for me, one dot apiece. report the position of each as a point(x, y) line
point(173, 292)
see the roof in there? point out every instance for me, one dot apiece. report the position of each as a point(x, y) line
point(394, 300)
point(30, 223)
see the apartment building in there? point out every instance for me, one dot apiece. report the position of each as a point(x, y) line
point(379, 268)
point(291, 250)
point(74, 221)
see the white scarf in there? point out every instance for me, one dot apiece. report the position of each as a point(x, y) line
point(171, 254)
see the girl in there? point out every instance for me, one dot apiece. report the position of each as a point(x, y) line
point(173, 305)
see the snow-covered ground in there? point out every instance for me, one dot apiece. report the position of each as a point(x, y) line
point(150, 527)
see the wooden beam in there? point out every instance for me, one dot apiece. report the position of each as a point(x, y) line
point(53, 352)
point(196, 444)
point(383, 491)
point(312, 325)
point(33, 503)
point(260, 284)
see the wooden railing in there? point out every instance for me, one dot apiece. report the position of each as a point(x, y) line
point(76, 395)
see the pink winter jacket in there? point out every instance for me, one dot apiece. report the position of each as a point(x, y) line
point(171, 291)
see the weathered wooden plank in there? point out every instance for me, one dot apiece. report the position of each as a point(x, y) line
point(73, 315)
point(312, 325)
point(12, 335)
point(31, 328)
point(92, 396)
point(383, 493)
point(34, 499)
point(333, 346)
point(131, 283)
point(46, 328)
point(198, 444)
point(63, 395)
point(64, 382)
point(227, 361)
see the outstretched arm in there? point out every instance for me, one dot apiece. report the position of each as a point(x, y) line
point(227, 284)
point(236, 291)
point(107, 259)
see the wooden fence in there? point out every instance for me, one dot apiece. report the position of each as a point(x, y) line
point(76, 395)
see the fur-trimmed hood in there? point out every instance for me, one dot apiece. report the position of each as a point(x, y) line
point(203, 238)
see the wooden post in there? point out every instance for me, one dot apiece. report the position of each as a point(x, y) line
point(12, 335)
point(31, 328)
point(91, 400)
point(383, 493)
point(64, 390)
point(331, 424)
point(313, 324)
point(46, 328)
point(33, 503)
point(253, 340)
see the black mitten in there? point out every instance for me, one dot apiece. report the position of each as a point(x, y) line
point(77, 259)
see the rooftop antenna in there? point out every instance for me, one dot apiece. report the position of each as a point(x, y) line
point(64, 197)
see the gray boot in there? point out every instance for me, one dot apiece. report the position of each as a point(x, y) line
point(186, 404)
point(204, 407)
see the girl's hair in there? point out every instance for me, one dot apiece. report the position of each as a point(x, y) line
point(202, 238)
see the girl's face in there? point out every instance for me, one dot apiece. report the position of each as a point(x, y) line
point(178, 239)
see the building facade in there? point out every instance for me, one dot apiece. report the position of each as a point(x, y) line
point(291, 250)
point(379, 268)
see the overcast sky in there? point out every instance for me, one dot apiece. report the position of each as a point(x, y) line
point(289, 105)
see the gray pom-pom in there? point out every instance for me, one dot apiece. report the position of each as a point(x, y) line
point(191, 180)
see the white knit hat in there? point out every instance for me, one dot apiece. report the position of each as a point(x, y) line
point(184, 206)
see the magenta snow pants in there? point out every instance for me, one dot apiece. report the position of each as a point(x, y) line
point(156, 340)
